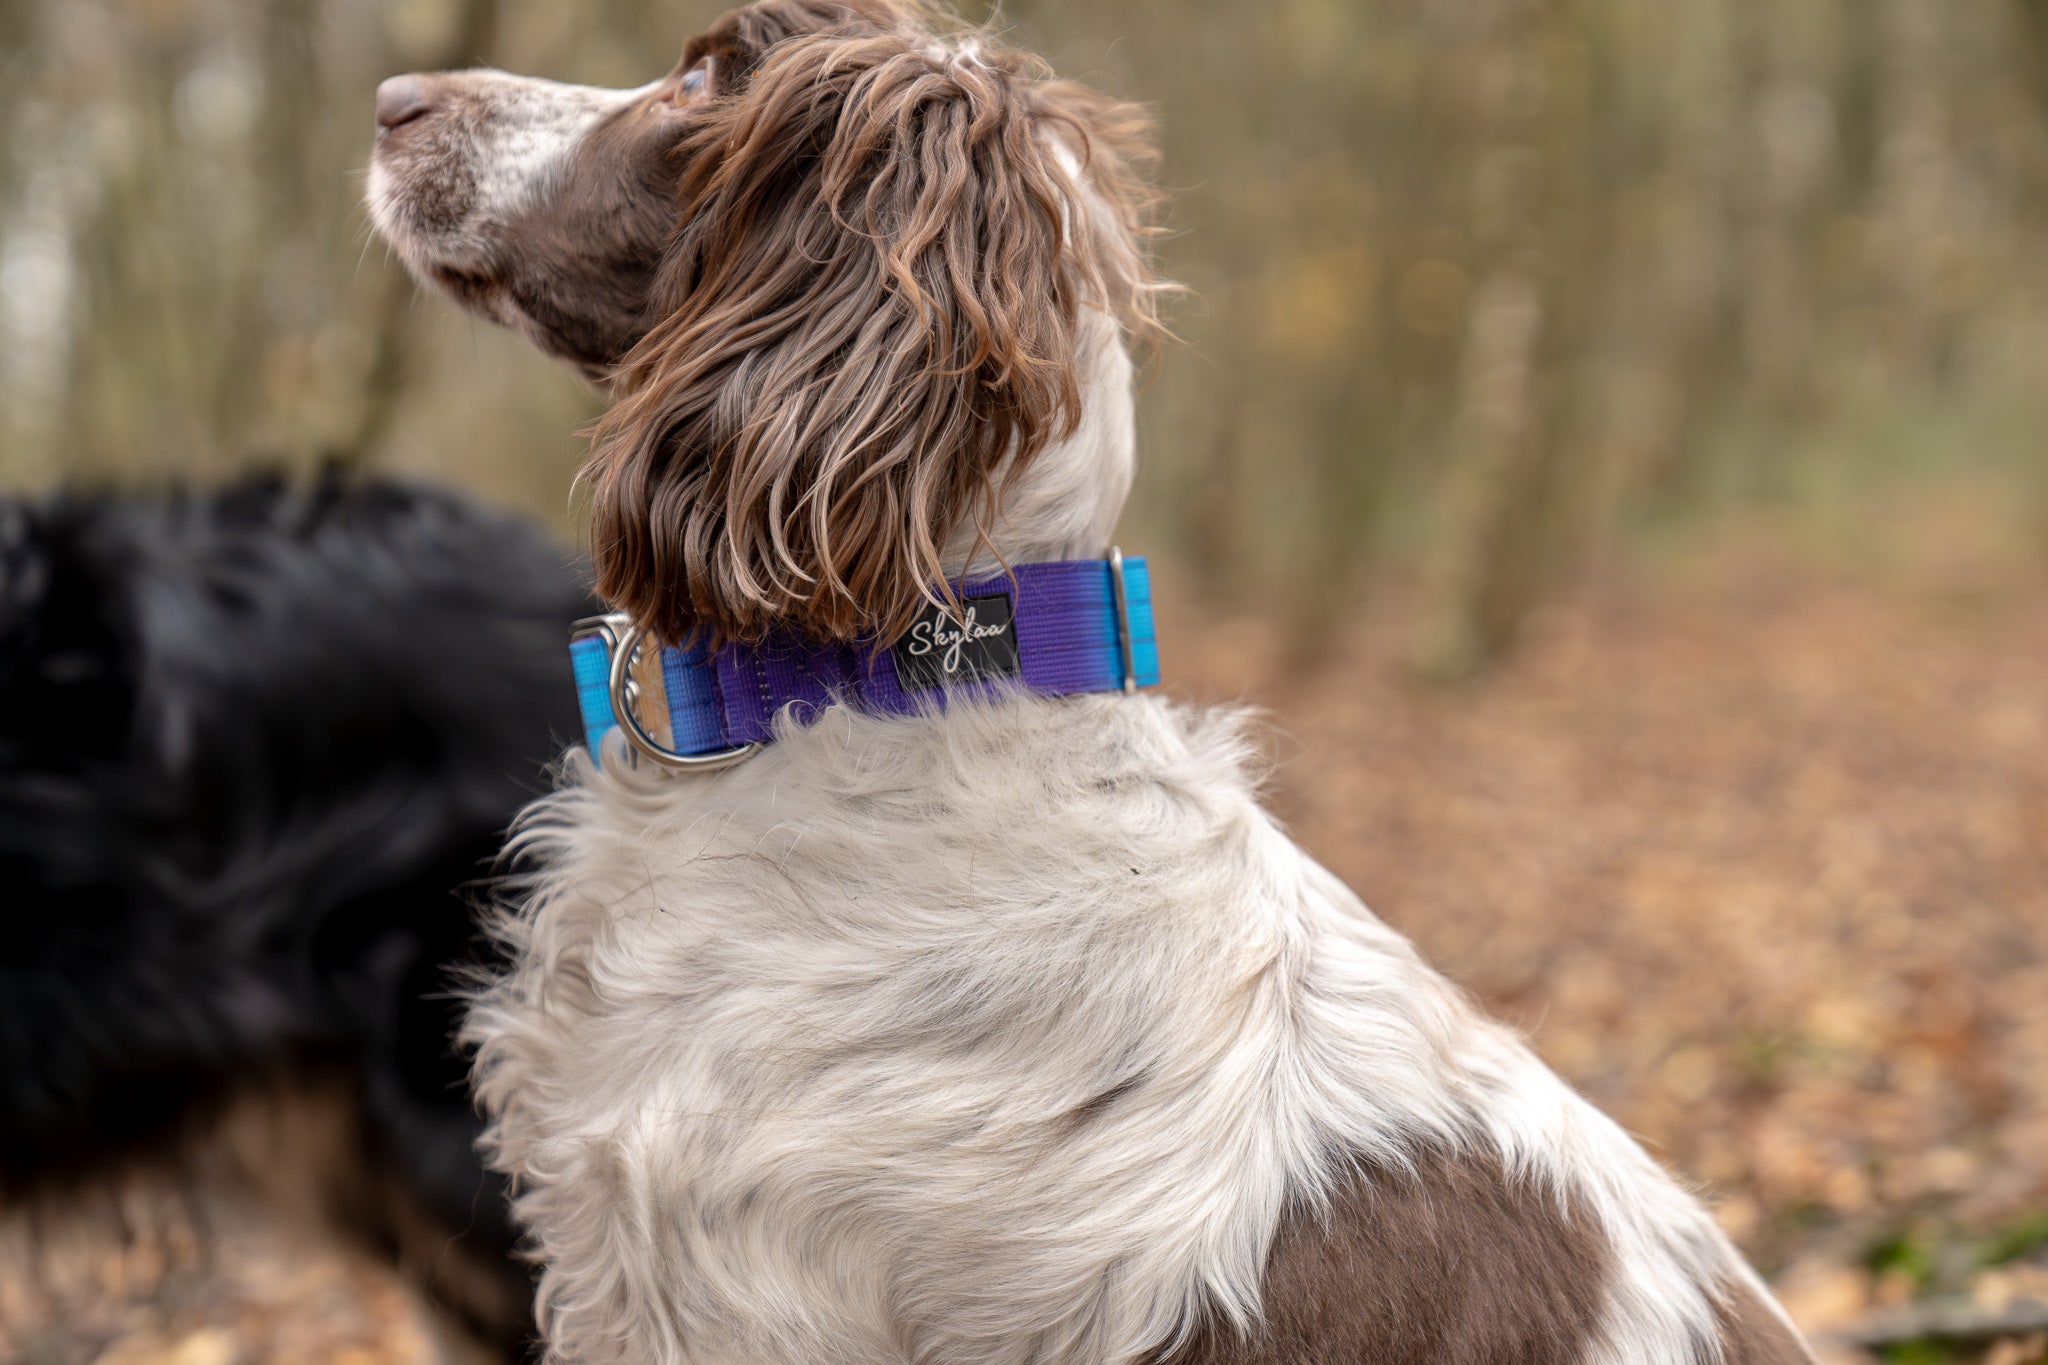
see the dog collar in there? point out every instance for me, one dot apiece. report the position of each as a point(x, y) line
point(1058, 629)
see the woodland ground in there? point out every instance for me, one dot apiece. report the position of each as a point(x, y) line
point(1755, 849)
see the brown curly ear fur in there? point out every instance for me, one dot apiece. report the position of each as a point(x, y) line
point(869, 322)
point(735, 45)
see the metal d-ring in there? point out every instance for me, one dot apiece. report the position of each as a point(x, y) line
point(1121, 599)
point(624, 647)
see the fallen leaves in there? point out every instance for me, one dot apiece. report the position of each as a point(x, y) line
point(147, 1275)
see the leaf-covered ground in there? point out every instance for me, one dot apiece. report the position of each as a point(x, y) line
point(210, 1277)
point(1759, 858)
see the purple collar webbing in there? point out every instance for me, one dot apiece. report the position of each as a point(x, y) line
point(1083, 625)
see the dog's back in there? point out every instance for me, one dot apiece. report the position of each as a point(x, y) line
point(253, 743)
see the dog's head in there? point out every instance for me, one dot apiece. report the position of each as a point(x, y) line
point(548, 207)
point(856, 278)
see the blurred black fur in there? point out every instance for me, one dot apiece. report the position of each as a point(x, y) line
point(253, 746)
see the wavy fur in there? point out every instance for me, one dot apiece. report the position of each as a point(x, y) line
point(1004, 1035)
point(868, 326)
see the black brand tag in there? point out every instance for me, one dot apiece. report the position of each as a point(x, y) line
point(940, 648)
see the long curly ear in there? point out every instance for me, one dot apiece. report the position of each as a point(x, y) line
point(869, 328)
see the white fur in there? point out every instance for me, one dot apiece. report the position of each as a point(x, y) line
point(789, 1064)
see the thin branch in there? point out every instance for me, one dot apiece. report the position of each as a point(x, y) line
point(1954, 1320)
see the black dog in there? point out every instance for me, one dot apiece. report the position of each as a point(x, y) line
point(253, 744)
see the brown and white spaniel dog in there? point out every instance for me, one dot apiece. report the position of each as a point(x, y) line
point(1009, 1031)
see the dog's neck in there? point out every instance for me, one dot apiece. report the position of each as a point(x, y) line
point(1067, 503)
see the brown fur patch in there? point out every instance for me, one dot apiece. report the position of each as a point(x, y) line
point(1752, 1333)
point(1452, 1264)
point(867, 325)
point(734, 45)
point(581, 267)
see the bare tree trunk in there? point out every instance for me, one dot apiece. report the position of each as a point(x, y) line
point(2033, 26)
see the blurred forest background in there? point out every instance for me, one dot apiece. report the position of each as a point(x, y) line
point(1481, 287)
point(1670, 377)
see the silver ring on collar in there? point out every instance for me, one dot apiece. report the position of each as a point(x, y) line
point(626, 643)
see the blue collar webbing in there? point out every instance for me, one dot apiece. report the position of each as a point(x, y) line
point(1056, 629)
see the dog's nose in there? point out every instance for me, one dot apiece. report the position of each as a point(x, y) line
point(403, 99)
